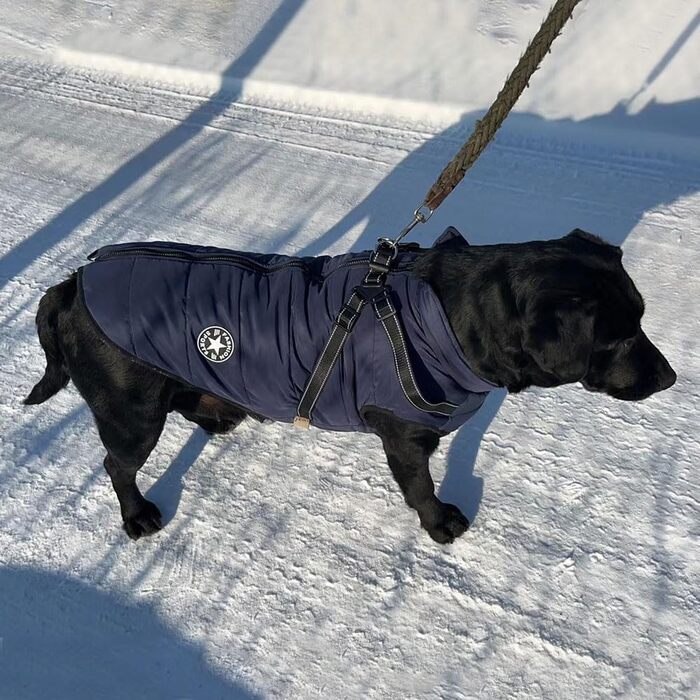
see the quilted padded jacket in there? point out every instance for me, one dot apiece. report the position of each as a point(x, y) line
point(249, 327)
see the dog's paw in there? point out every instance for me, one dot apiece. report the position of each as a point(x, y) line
point(451, 525)
point(145, 521)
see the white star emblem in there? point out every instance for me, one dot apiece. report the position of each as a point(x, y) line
point(215, 345)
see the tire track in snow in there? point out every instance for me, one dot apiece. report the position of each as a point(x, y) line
point(266, 122)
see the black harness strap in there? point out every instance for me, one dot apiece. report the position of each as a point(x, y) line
point(386, 313)
point(372, 290)
point(380, 263)
point(342, 327)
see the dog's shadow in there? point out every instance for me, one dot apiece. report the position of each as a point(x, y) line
point(460, 486)
point(166, 492)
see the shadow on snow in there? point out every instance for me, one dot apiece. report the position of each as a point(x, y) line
point(62, 638)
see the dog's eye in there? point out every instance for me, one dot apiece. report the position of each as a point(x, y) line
point(626, 344)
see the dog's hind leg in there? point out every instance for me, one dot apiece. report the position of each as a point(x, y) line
point(129, 441)
point(128, 400)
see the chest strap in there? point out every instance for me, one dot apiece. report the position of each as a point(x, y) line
point(374, 291)
point(386, 314)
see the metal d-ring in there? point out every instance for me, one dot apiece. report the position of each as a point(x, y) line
point(392, 244)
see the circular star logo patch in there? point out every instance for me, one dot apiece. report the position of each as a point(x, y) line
point(215, 343)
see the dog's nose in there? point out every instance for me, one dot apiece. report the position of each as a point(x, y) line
point(667, 378)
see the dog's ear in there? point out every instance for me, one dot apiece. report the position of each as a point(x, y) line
point(559, 334)
point(603, 247)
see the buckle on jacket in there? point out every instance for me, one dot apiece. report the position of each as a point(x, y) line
point(383, 308)
point(348, 316)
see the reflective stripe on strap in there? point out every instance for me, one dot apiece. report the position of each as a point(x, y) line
point(386, 314)
point(342, 327)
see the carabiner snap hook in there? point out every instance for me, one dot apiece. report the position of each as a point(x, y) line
point(420, 215)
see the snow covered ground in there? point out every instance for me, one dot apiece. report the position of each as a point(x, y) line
point(289, 566)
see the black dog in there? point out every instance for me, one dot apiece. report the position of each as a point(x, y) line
point(540, 313)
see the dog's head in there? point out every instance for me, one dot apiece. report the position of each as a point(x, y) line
point(581, 321)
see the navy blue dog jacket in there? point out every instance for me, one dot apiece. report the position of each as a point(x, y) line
point(249, 328)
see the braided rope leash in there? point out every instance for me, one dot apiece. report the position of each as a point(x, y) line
point(517, 81)
point(486, 128)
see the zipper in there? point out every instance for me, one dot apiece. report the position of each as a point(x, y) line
point(240, 260)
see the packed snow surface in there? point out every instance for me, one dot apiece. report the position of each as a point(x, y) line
point(289, 565)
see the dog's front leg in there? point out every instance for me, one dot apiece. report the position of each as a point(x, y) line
point(408, 448)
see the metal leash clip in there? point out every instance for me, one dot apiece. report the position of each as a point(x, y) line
point(420, 215)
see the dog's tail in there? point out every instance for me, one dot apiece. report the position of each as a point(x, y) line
point(56, 374)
